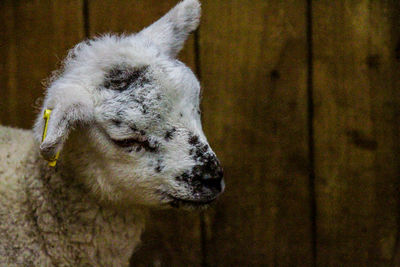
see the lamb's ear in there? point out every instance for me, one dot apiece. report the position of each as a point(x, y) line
point(171, 31)
point(61, 120)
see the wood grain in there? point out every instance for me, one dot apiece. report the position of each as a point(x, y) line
point(253, 65)
point(35, 37)
point(171, 238)
point(357, 105)
point(127, 16)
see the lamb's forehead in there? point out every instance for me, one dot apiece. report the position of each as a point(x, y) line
point(103, 55)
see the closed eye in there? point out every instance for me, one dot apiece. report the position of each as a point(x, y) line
point(139, 141)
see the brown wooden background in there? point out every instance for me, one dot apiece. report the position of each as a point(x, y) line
point(301, 103)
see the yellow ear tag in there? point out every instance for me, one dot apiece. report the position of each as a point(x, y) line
point(46, 117)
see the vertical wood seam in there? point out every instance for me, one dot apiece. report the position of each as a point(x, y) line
point(12, 83)
point(85, 14)
point(310, 126)
point(395, 261)
point(203, 240)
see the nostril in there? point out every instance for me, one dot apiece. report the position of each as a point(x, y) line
point(213, 183)
point(213, 180)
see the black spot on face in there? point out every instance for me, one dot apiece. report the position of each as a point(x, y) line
point(193, 139)
point(133, 128)
point(152, 146)
point(180, 115)
point(159, 166)
point(169, 134)
point(121, 77)
point(184, 177)
point(199, 150)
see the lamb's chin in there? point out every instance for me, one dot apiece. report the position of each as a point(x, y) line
point(189, 204)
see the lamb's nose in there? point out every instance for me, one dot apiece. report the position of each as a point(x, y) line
point(214, 180)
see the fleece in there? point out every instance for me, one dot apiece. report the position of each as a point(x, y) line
point(48, 218)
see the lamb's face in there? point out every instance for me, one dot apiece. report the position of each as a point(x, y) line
point(148, 121)
point(141, 108)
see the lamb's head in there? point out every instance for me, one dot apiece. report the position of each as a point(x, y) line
point(135, 111)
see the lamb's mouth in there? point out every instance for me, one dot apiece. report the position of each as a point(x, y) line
point(188, 203)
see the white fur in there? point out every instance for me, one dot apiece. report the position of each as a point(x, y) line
point(90, 208)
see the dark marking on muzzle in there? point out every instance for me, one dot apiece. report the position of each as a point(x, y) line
point(199, 151)
point(194, 139)
point(207, 172)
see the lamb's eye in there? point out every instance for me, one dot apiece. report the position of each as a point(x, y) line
point(137, 141)
point(127, 142)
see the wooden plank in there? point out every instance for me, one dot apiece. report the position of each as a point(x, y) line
point(124, 16)
point(253, 58)
point(35, 36)
point(357, 145)
point(171, 238)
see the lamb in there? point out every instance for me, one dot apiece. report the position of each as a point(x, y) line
point(125, 121)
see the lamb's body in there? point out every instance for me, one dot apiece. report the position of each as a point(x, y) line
point(48, 219)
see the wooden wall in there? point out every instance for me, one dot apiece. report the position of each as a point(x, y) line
point(301, 101)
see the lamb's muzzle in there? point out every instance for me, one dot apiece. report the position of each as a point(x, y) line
point(207, 179)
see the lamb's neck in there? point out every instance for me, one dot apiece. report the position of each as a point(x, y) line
point(74, 227)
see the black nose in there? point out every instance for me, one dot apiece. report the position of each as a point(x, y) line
point(214, 179)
